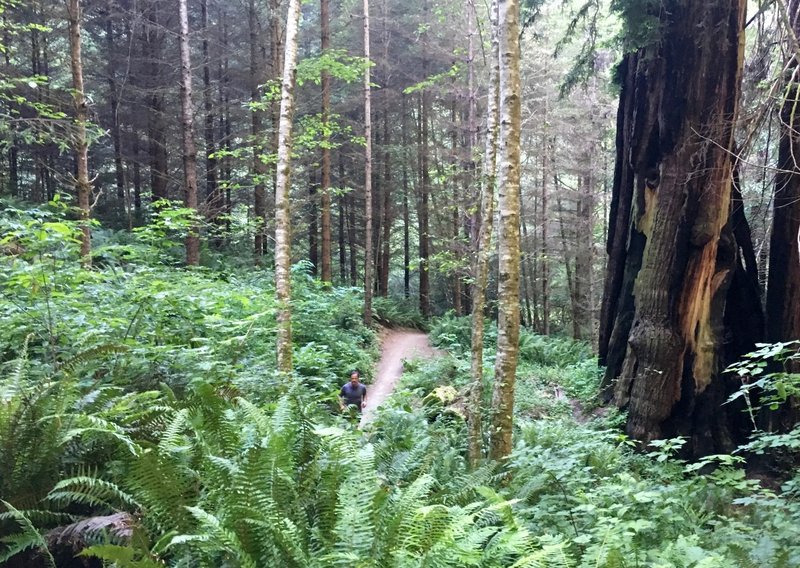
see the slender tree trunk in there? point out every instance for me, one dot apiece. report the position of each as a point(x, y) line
point(508, 231)
point(137, 176)
point(525, 263)
point(543, 253)
point(342, 250)
point(313, 229)
point(483, 249)
point(368, 253)
point(189, 148)
point(214, 201)
point(676, 286)
point(81, 142)
point(283, 217)
point(424, 229)
point(387, 208)
point(113, 99)
point(259, 167)
point(325, 166)
point(406, 222)
point(157, 133)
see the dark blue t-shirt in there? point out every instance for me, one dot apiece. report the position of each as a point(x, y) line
point(353, 394)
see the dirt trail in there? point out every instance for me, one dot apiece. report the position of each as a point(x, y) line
point(396, 345)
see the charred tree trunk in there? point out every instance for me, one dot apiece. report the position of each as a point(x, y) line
point(673, 277)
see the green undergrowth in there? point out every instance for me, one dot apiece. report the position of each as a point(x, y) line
point(579, 480)
point(142, 424)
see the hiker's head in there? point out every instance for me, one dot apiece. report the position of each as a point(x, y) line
point(354, 376)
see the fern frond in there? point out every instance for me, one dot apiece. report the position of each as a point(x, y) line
point(92, 491)
point(27, 539)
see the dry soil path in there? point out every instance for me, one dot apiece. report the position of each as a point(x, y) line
point(396, 345)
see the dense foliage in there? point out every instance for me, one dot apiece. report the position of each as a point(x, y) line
point(141, 423)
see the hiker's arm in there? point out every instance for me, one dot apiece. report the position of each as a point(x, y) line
point(364, 398)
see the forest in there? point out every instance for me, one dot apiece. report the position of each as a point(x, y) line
point(558, 241)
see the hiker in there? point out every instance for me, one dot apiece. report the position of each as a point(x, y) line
point(353, 393)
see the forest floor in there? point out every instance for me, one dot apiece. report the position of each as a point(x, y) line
point(396, 345)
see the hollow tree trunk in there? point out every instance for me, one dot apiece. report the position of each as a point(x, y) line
point(674, 271)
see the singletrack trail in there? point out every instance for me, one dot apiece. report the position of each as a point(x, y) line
point(396, 345)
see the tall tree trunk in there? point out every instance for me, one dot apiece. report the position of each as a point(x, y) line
point(342, 250)
point(189, 148)
point(543, 252)
point(674, 280)
point(424, 229)
point(81, 142)
point(783, 289)
point(153, 35)
point(137, 175)
point(259, 168)
point(214, 201)
point(325, 166)
point(313, 229)
point(406, 221)
point(368, 253)
point(283, 217)
point(508, 231)
point(483, 250)
point(387, 209)
point(113, 99)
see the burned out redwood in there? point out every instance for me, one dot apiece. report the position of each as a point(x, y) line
point(679, 300)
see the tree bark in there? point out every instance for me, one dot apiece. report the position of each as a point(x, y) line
point(325, 166)
point(674, 280)
point(509, 225)
point(189, 148)
point(214, 200)
point(368, 253)
point(283, 218)
point(313, 228)
point(153, 37)
point(424, 229)
point(259, 168)
point(483, 246)
point(406, 221)
point(113, 100)
point(783, 290)
point(387, 209)
point(81, 143)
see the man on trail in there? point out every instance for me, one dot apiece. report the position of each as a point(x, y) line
point(353, 393)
